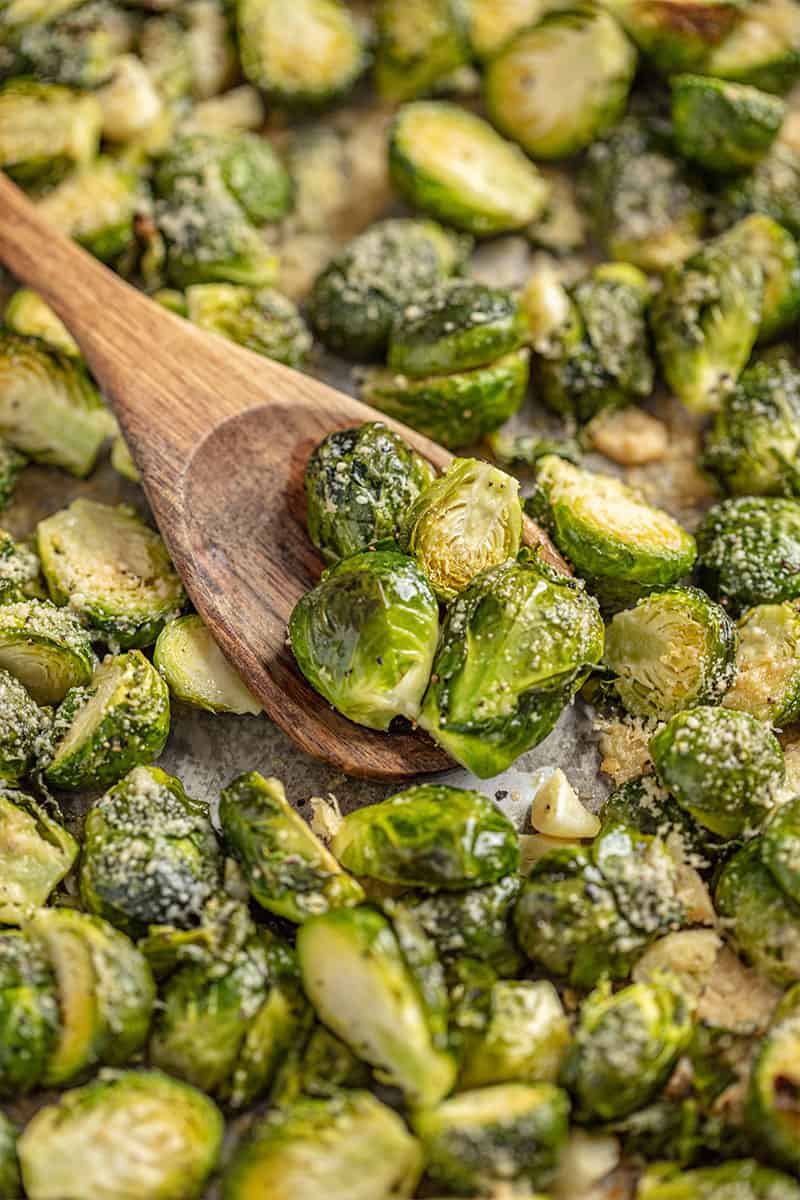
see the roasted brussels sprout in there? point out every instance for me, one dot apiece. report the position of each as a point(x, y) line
point(276, 1049)
point(24, 729)
point(377, 663)
point(475, 922)
point(678, 34)
point(516, 645)
point(96, 206)
point(430, 836)
point(762, 919)
point(644, 805)
point(762, 49)
point(748, 551)
point(524, 1040)
point(45, 648)
point(112, 569)
point(450, 163)
point(492, 23)
point(49, 408)
point(772, 1093)
point(621, 545)
point(261, 319)
point(130, 100)
point(29, 1014)
point(524, 82)
point(244, 164)
point(208, 238)
point(723, 126)
point(197, 672)
point(26, 313)
point(79, 47)
point(360, 484)
point(46, 130)
point(120, 721)
point(326, 1149)
point(420, 43)
point(10, 1183)
point(466, 521)
point(780, 844)
point(763, 239)
point(108, 1139)
point(767, 683)
point(36, 852)
point(673, 650)
point(399, 1031)
point(511, 1134)
point(771, 188)
point(288, 869)
point(307, 55)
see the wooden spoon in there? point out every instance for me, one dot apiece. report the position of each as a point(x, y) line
point(221, 437)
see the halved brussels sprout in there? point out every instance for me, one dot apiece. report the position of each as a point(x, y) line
point(748, 551)
point(26, 313)
point(511, 1134)
point(96, 206)
point(492, 23)
point(109, 1141)
point(743, 1179)
point(360, 484)
point(625, 1049)
point(10, 1183)
point(466, 521)
point(771, 188)
point(366, 635)
point(112, 569)
point(764, 922)
point(46, 130)
point(29, 1014)
point(455, 410)
point(288, 869)
point(476, 923)
point(119, 722)
point(275, 1053)
point(196, 670)
point(676, 35)
point(673, 650)
point(723, 126)
point(49, 408)
point(327, 1065)
point(420, 42)
point(309, 54)
point(780, 847)
point(430, 836)
point(24, 730)
point(347, 1147)
point(767, 683)
point(524, 1040)
point(558, 86)
point(516, 645)
point(762, 49)
point(622, 546)
point(243, 163)
point(45, 648)
point(772, 1108)
point(262, 319)
point(150, 856)
point(452, 164)
point(36, 852)
point(352, 962)
point(208, 238)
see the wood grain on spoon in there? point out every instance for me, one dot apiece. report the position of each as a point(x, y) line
point(221, 437)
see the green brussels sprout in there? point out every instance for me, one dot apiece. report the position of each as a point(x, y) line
point(762, 49)
point(673, 650)
point(366, 635)
point(364, 971)
point(244, 164)
point(430, 836)
point(208, 238)
point(742, 1179)
point(512, 1133)
point(516, 645)
point(29, 1014)
point(450, 163)
point(771, 188)
point(647, 893)
point(525, 1038)
point(767, 683)
point(467, 521)
point(45, 648)
point(36, 852)
point(150, 856)
point(262, 319)
point(79, 48)
point(122, 461)
point(676, 35)
point(277, 1037)
point(10, 1183)
point(112, 569)
point(625, 1049)
point(780, 847)
point(475, 922)
point(24, 730)
point(356, 299)
point(49, 408)
point(763, 239)
point(492, 23)
point(131, 1133)
point(748, 551)
point(197, 672)
point(772, 1111)
point(420, 42)
point(327, 1065)
point(763, 921)
point(360, 484)
point(469, 988)
point(622, 546)
point(457, 409)
point(119, 722)
point(96, 206)
point(288, 869)
point(723, 126)
point(642, 804)
point(46, 130)
point(26, 313)
point(346, 1147)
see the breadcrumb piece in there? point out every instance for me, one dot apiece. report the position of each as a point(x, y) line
point(326, 817)
point(629, 436)
point(675, 482)
point(623, 745)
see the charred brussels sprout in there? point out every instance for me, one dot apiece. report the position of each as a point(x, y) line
point(723, 126)
point(674, 649)
point(46, 130)
point(524, 83)
point(450, 163)
point(288, 869)
point(111, 568)
point(771, 188)
point(197, 672)
point(26, 313)
point(767, 681)
point(748, 551)
point(45, 648)
point(525, 1037)
point(621, 545)
point(420, 43)
point(377, 663)
point(96, 206)
point(677, 34)
point(516, 645)
point(511, 1134)
point(261, 319)
point(90, 1144)
point(119, 721)
point(762, 49)
point(149, 854)
point(743, 1179)
point(398, 1031)
point(24, 730)
point(466, 521)
point(10, 1183)
point(475, 922)
point(36, 852)
point(762, 919)
point(772, 1110)
point(429, 836)
point(29, 1014)
point(244, 164)
point(360, 484)
point(346, 1147)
